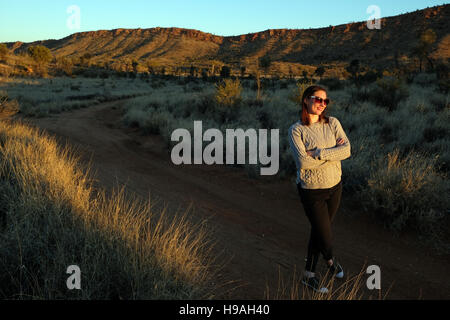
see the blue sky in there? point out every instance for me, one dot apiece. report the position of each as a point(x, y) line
point(46, 19)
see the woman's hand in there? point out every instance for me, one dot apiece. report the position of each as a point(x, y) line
point(340, 141)
point(313, 153)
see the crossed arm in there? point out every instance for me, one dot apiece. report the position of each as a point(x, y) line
point(302, 157)
point(319, 157)
point(339, 152)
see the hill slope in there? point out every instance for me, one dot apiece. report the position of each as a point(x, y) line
point(333, 45)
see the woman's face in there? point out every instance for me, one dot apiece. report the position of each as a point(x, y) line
point(316, 107)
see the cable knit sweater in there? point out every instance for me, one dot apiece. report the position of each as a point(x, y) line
point(323, 169)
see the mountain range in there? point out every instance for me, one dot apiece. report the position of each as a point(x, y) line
point(288, 49)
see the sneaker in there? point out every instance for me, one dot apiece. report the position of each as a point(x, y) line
point(314, 284)
point(336, 269)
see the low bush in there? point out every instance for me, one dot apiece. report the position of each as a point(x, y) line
point(332, 83)
point(407, 191)
point(228, 92)
point(389, 93)
point(52, 217)
point(425, 79)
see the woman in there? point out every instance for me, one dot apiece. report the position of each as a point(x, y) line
point(318, 144)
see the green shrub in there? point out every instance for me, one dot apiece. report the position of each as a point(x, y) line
point(407, 191)
point(206, 104)
point(362, 94)
point(369, 77)
point(444, 85)
point(40, 54)
point(389, 93)
point(425, 79)
point(431, 134)
point(297, 93)
point(332, 83)
point(388, 133)
point(155, 123)
point(284, 85)
point(228, 92)
point(440, 103)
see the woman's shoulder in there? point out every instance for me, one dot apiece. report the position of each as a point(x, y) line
point(333, 121)
point(296, 126)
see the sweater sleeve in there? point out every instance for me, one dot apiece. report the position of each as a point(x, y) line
point(339, 152)
point(302, 159)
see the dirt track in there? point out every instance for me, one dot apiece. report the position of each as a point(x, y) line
point(259, 225)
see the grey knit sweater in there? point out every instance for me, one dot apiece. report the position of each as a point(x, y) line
point(323, 169)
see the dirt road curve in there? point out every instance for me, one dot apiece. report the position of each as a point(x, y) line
point(259, 225)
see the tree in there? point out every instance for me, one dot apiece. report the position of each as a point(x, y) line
point(320, 71)
point(134, 65)
point(442, 70)
point(205, 73)
point(423, 49)
point(305, 74)
point(213, 69)
point(3, 51)
point(291, 73)
point(265, 63)
point(228, 92)
point(65, 65)
point(192, 71)
point(258, 81)
point(215, 65)
point(243, 71)
point(42, 56)
point(150, 68)
point(428, 37)
point(85, 59)
point(225, 72)
point(354, 69)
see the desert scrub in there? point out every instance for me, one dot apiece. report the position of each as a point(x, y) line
point(297, 93)
point(391, 148)
point(389, 93)
point(332, 84)
point(52, 217)
point(352, 288)
point(407, 191)
point(7, 105)
point(46, 96)
point(228, 92)
point(415, 124)
point(425, 79)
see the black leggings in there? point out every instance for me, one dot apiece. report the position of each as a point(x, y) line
point(320, 207)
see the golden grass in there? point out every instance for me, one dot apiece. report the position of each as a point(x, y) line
point(350, 288)
point(228, 92)
point(406, 190)
point(158, 256)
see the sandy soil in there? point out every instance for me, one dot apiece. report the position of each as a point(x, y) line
point(258, 225)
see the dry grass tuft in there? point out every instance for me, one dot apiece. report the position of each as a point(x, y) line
point(53, 217)
point(350, 288)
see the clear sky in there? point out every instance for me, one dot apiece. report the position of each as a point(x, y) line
point(27, 21)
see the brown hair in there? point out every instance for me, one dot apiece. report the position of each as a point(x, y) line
point(304, 111)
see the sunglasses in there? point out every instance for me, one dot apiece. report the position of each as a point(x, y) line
point(320, 100)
